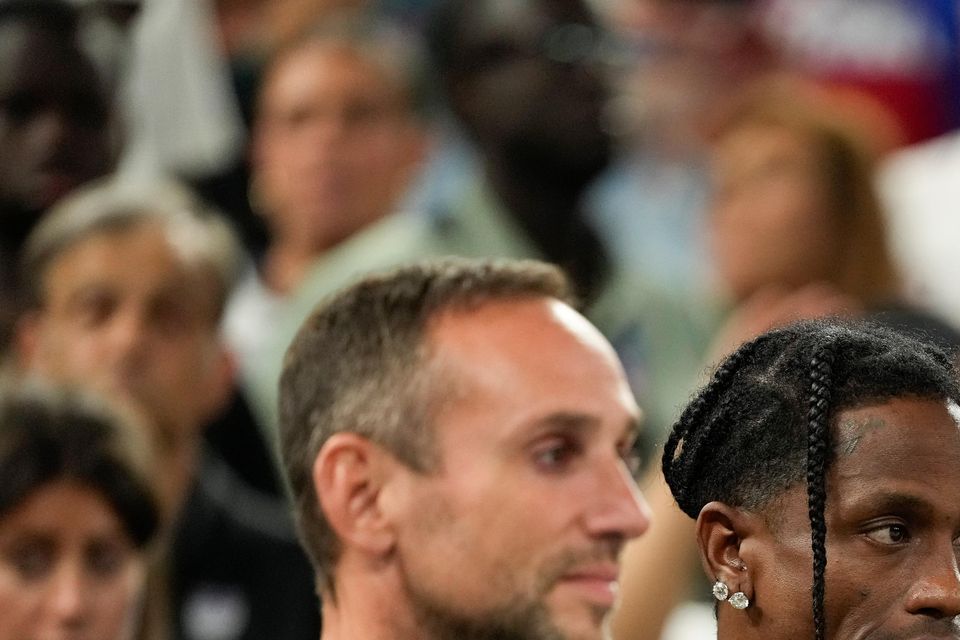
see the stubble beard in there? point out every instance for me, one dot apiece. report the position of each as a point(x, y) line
point(520, 616)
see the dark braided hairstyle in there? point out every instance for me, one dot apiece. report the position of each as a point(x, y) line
point(763, 422)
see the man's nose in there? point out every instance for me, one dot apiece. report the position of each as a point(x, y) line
point(621, 509)
point(936, 593)
point(67, 603)
point(128, 332)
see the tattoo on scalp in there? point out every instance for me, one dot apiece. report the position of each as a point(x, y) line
point(853, 431)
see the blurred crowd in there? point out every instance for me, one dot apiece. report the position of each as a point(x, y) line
point(181, 181)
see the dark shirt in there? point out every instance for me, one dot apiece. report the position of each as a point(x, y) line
point(238, 572)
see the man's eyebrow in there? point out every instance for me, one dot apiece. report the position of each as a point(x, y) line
point(83, 291)
point(568, 421)
point(574, 421)
point(901, 502)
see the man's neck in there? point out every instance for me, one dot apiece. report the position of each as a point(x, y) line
point(367, 606)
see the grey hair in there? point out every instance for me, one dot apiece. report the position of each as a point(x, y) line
point(200, 234)
point(397, 53)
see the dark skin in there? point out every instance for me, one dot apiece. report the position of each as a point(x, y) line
point(893, 529)
point(54, 123)
point(535, 111)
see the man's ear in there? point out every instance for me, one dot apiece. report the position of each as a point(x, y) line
point(721, 531)
point(348, 476)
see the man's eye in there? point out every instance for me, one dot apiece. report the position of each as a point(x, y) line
point(170, 318)
point(106, 559)
point(555, 455)
point(92, 310)
point(31, 562)
point(890, 534)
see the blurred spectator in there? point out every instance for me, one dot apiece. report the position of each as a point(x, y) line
point(677, 60)
point(57, 125)
point(797, 227)
point(55, 130)
point(527, 83)
point(793, 199)
point(336, 141)
point(77, 515)
point(191, 92)
point(126, 289)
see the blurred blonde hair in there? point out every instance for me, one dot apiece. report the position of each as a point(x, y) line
point(849, 133)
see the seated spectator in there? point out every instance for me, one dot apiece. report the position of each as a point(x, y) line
point(57, 125)
point(78, 514)
point(336, 141)
point(528, 87)
point(680, 59)
point(796, 223)
point(126, 288)
point(822, 466)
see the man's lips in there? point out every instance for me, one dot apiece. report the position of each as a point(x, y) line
point(598, 583)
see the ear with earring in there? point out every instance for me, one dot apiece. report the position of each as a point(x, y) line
point(738, 600)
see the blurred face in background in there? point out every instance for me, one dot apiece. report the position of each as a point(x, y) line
point(68, 568)
point(529, 81)
point(54, 118)
point(127, 313)
point(335, 144)
point(771, 223)
point(687, 55)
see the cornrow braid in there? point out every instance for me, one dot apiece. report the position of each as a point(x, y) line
point(818, 446)
point(680, 440)
point(763, 423)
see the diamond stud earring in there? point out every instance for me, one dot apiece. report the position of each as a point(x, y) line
point(720, 591)
point(739, 600)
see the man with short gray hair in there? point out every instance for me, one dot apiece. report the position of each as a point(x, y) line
point(457, 438)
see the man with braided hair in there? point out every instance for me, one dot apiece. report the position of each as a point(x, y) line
point(822, 464)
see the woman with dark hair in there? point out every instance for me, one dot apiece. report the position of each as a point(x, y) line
point(822, 465)
point(77, 515)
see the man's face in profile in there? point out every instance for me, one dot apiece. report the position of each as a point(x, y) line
point(517, 532)
point(54, 118)
point(893, 533)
